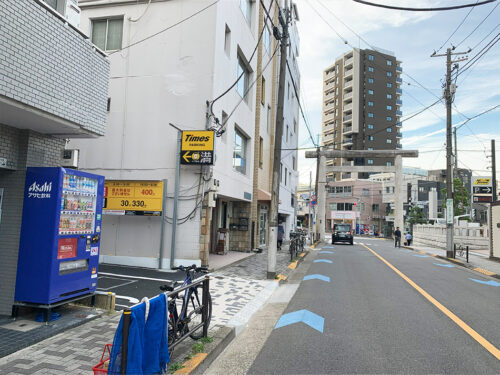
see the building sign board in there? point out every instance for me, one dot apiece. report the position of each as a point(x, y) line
point(482, 189)
point(197, 147)
point(449, 211)
point(133, 197)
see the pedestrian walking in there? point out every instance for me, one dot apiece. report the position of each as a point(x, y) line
point(409, 237)
point(397, 237)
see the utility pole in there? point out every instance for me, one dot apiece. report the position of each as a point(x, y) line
point(449, 91)
point(310, 200)
point(493, 171)
point(273, 215)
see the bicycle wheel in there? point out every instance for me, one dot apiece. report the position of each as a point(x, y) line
point(194, 311)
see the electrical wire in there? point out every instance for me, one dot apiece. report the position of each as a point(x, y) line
point(482, 40)
point(249, 60)
point(424, 9)
point(480, 23)
point(479, 55)
point(165, 29)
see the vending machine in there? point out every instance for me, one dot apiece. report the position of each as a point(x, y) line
point(60, 235)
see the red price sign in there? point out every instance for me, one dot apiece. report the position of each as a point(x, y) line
point(67, 248)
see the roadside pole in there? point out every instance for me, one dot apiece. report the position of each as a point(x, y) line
point(493, 172)
point(176, 197)
point(162, 228)
point(273, 214)
point(309, 223)
point(321, 198)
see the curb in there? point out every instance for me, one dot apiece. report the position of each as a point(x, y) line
point(457, 262)
point(201, 361)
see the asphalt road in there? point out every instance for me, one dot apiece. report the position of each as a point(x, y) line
point(375, 321)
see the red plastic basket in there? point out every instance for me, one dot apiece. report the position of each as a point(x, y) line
point(102, 366)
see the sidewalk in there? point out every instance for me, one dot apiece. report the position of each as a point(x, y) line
point(75, 351)
point(477, 260)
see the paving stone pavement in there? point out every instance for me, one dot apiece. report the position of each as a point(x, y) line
point(75, 351)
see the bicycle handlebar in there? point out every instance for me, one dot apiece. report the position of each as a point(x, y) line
point(192, 267)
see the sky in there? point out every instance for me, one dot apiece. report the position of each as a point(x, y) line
point(412, 36)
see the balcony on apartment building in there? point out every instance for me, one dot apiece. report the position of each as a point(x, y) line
point(399, 113)
point(328, 138)
point(399, 124)
point(399, 91)
point(328, 127)
point(54, 80)
point(348, 72)
point(347, 107)
point(346, 130)
point(347, 142)
point(399, 102)
point(399, 69)
point(347, 95)
point(399, 80)
point(348, 84)
point(399, 135)
point(347, 118)
point(329, 106)
point(348, 164)
point(348, 61)
point(399, 146)
point(329, 116)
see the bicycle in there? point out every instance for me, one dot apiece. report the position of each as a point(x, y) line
point(179, 322)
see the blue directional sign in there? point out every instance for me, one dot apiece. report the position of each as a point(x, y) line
point(444, 265)
point(322, 261)
point(317, 276)
point(491, 282)
point(305, 316)
point(326, 252)
point(421, 256)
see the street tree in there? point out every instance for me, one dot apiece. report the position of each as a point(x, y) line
point(460, 198)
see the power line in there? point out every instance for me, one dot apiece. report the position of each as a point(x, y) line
point(167, 28)
point(479, 55)
point(458, 27)
point(300, 106)
point(423, 9)
point(482, 40)
point(249, 60)
point(480, 23)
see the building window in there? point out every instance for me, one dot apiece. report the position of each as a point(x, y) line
point(375, 208)
point(266, 39)
point(261, 152)
point(370, 162)
point(370, 80)
point(389, 130)
point(227, 41)
point(240, 151)
point(389, 74)
point(289, 177)
point(370, 137)
point(263, 91)
point(287, 132)
point(295, 126)
point(242, 85)
point(370, 92)
point(389, 84)
point(370, 57)
point(370, 114)
point(370, 104)
point(246, 8)
point(389, 62)
point(348, 206)
point(388, 107)
point(332, 206)
point(268, 119)
point(107, 33)
point(389, 96)
point(389, 164)
point(281, 173)
point(370, 69)
point(388, 188)
point(388, 118)
point(370, 126)
point(388, 141)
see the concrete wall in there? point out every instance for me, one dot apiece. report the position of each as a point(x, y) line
point(25, 148)
point(50, 66)
point(435, 236)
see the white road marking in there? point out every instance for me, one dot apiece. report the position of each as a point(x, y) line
point(134, 277)
point(130, 299)
point(116, 286)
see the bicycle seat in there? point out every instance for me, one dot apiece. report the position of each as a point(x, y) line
point(169, 287)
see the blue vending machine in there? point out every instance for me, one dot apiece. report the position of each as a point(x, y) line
point(60, 235)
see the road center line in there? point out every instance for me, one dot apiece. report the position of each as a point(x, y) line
point(476, 336)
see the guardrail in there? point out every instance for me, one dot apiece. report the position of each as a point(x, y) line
point(173, 294)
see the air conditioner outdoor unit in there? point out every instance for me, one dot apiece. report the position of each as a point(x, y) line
point(69, 158)
point(72, 12)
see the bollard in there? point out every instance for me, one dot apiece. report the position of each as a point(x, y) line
point(467, 252)
point(125, 330)
point(204, 311)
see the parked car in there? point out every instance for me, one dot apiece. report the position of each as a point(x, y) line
point(342, 233)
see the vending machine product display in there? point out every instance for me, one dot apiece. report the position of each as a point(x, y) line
point(60, 235)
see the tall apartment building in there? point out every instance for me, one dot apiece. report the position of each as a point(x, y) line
point(53, 85)
point(362, 107)
point(167, 77)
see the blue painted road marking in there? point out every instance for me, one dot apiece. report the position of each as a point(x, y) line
point(317, 276)
point(326, 252)
point(444, 265)
point(421, 256)
point(491, 282)
point(322, 261)
point(311, 319)
point(327, 247)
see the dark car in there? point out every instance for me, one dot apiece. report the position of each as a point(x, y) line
point(342, 233)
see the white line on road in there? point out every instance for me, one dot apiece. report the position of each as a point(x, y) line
point(116, 286)
point(130, 299)
point(134, 277)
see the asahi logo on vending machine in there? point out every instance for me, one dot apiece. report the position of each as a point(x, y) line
point(41, 191)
